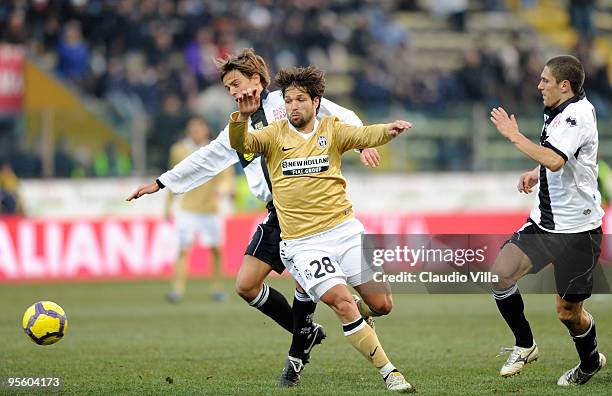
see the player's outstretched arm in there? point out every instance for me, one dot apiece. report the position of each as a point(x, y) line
point(351, 137)
point(508, 128)
point(367, 156)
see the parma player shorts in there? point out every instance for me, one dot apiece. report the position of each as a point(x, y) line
point(333, 257)
point(573, 255)
point(265, 242)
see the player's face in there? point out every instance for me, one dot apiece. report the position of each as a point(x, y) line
point(551, 90)
point(235, 82)
point(299, 106)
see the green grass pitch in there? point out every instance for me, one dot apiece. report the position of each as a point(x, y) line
point(123, 338)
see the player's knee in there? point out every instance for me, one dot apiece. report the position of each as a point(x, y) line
point(503, 283)
point(510, 265)
point(502, 278)
point(384, 306)
point(246, 289)
point(343, 305)
point(567, 315)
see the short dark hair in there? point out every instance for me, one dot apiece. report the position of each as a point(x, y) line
point(309, 79)
point(196, 117)
point(567, 67)
point(246, 62)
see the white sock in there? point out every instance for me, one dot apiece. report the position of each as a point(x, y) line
point(386, 369)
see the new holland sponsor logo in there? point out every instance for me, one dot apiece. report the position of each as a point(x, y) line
point(305, 166)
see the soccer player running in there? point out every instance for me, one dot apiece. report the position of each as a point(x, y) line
point(321, 244)
point(564, 227)
point(198, 214)
point(247, 70)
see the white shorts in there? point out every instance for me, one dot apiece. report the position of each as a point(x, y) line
point(319, 262)
point(206, 227)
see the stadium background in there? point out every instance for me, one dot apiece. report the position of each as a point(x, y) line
point(93, 93)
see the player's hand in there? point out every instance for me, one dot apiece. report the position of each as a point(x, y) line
point(370, 157)
point(528, 180)
point(142, 190)
point(397, 127)
point(506, 125)
point(248, 103)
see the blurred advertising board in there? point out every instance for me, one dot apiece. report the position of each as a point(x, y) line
point(126, 248)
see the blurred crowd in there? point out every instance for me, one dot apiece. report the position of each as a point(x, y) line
point(158, 56)
point(10, 201)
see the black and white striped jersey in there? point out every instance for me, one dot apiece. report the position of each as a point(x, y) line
point(568, 200)
point(205, 163)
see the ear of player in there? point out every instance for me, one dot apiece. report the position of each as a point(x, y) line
point(45, 322)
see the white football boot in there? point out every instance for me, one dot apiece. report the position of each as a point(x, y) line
point(519, 357)
point(397, 383)
point(576, 376)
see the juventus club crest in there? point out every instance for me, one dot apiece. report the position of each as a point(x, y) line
point(322, 141)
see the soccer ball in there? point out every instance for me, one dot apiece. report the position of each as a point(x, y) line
point(45, 322)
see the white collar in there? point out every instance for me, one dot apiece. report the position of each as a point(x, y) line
point(307, 134)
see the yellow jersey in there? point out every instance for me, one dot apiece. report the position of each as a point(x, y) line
point(308, 188)
point(202, 199)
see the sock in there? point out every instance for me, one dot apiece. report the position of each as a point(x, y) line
point(303, 309)
point(510, 305)
point(387, 369)
point(586, 345)
point(275, 305)
point(365, 310)
point(364, 339)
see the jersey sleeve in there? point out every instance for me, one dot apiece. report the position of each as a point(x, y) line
point(245, 141)
point(201, 165)
point(352, 137)
point(569, 136)
point(329, 108)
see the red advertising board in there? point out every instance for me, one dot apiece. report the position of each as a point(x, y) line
point(144, 248)
point(12, 60)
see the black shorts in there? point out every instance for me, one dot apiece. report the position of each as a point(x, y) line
point(265, 243)
point(574, 257)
